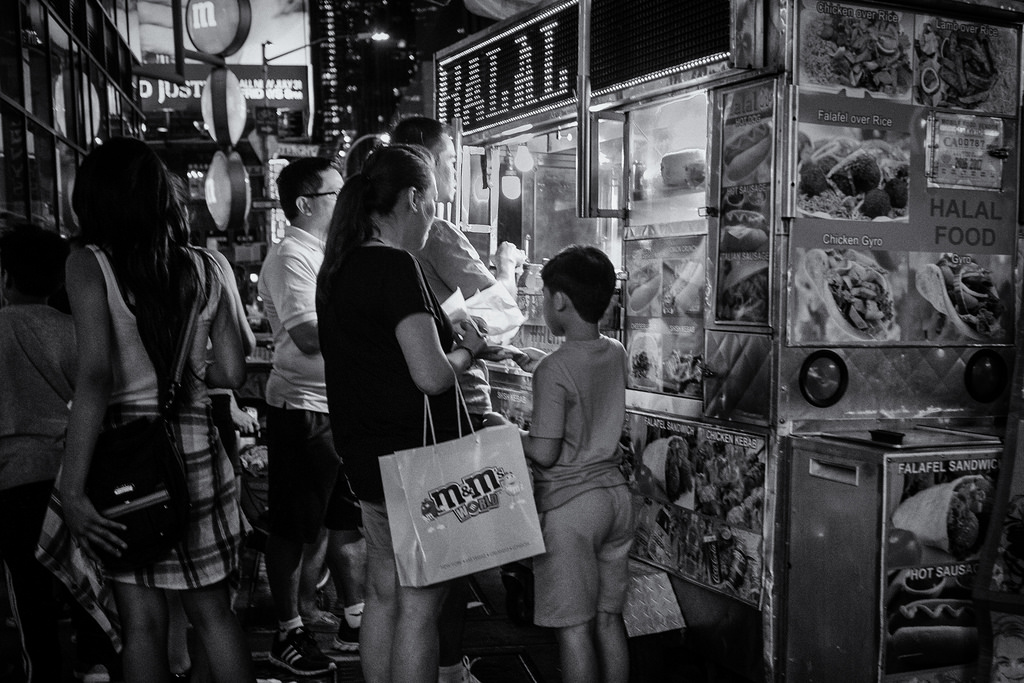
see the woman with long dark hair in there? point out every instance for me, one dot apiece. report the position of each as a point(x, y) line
point(386, 343)
point(131, 290)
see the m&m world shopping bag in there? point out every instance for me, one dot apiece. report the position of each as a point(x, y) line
point(461, 506)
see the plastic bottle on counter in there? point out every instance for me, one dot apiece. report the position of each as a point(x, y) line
point(532, 281)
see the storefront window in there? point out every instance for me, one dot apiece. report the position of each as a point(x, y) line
point(126, 81)
point(67, 164)
point(129, 120)
point(100, 110)
point(112, 45)
point(10, 83)
point(94, 24)
point(63, 83)
point(77, 114)
point(121, 18)
point(114, 110)
point(92, 107)
point(34, 59)
point(134, 32)
point(42, 175)
point(13, 180)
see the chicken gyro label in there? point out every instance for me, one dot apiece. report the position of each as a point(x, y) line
point(475, 494)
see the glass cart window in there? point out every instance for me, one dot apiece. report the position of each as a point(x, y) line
point(667, 178)
point(543, 172)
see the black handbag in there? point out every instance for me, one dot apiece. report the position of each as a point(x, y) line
point(138, 478)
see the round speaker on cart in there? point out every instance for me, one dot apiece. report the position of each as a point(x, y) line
point(823, 378)
point(986, 376)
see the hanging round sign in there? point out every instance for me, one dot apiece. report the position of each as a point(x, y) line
point(223, 106)
point(218, 27)
point(228, 193)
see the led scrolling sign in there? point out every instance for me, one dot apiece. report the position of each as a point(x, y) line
point(525, 69)
point(529, 67)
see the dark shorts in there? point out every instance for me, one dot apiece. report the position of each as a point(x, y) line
point(307, 485)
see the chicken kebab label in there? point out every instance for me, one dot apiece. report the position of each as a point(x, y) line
point(900, 237)
point(938, 512)
point(665, 307)
point(702, 514)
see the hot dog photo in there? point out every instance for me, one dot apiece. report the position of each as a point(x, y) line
point(747, 153)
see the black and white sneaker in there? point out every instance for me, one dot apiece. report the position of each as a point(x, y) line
point(300, 654)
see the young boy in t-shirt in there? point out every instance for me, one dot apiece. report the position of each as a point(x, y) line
point(579, 394)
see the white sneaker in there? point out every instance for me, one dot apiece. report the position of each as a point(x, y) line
point(458, 673)
point(97, 673)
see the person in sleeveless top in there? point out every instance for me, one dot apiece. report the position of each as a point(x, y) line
point(131, 290)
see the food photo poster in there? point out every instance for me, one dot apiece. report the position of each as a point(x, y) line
point(665, 314)
point(744, 237)
point(906, 57)
point(700, 503)
point(938, 511)
point(896, 239)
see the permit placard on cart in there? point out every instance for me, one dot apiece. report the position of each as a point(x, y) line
point(460, 506)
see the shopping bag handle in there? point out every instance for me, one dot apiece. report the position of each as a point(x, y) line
point(428, 418)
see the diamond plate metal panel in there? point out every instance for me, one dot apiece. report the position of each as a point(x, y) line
point(651, 604)
point(892, 383)
point(739, 383)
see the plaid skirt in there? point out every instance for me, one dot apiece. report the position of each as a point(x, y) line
point(208, 555)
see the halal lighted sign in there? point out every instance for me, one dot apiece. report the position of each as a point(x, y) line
point(525, 69)
point(218, 27)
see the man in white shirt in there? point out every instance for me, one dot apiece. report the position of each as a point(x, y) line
point(308, 489)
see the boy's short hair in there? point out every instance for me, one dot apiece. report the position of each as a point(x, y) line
point(584, 274)
point(299, 178)
point(33, 258)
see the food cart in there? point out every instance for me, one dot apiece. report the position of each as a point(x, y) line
point(814, 208)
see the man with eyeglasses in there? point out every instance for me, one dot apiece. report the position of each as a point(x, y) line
point(307, 486)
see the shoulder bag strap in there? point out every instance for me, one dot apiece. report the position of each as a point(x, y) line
point(184, 344)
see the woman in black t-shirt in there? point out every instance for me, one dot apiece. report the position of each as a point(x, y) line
point(386, 343)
